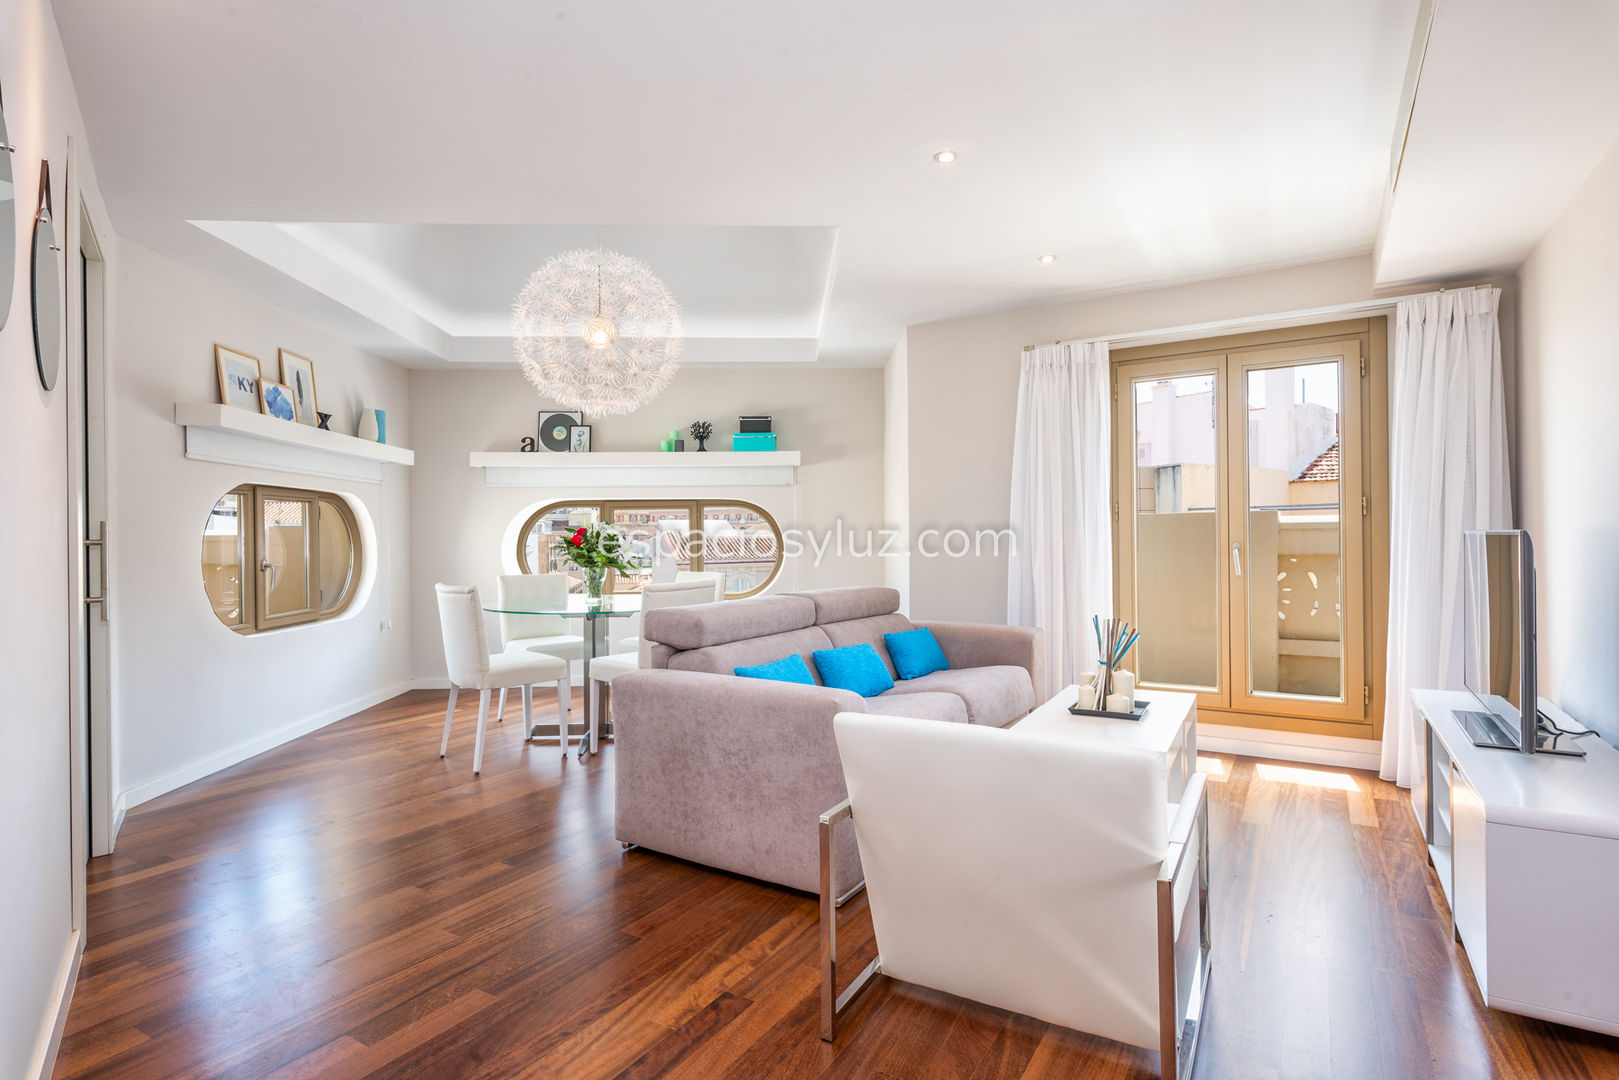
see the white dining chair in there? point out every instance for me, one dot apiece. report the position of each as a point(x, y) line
point(604, 669)
point(715, 578)
point(631, 641)
point(473, 667)
point(548, 634)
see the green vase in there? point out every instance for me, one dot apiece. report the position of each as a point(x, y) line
point(595, 578)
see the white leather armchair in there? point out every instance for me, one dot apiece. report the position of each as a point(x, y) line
point(1033, 873)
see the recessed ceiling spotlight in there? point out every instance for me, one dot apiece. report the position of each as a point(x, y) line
point(945, 157)
point(1047, 259)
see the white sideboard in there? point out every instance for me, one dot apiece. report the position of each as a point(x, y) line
point(1526, 848)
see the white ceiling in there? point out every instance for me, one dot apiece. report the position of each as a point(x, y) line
point(776, 157)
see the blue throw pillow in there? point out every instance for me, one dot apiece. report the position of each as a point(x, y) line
point(854, 667)
point(787, 669)
point(915, 653)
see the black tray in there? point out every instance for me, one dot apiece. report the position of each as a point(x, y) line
point(1135, 714)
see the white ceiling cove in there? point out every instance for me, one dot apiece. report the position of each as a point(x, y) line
point(393, 169)
point(1516, 104)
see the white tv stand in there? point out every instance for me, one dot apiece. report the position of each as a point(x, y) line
point(1526, 848)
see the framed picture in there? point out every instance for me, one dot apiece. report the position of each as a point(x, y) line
point(579, 439)
point(277, 400)
point(298, 375)
point(556, 430)
point(238, 378)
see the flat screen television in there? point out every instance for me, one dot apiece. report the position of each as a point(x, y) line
point(1498, 638)
point(1498, 603)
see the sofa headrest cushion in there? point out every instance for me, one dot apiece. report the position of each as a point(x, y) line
point(853, 602)
point(701, 625)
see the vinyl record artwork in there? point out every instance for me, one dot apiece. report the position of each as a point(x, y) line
point(556, 430)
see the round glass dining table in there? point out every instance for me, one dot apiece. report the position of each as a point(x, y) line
point(595, 616)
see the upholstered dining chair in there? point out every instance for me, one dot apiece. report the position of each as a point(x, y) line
point(604, 669)
point(472, 667)
point(548, 634)
point(715, 578)
point(631, 641)
point(1034, 873)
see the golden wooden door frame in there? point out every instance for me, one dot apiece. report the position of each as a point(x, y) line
point(1361, 712)
point(1347, 352)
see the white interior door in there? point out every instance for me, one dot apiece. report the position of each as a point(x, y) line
point(87, 454)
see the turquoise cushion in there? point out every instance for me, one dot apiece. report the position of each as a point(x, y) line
point(787, 669)
point(854, 667)
point(915, 653)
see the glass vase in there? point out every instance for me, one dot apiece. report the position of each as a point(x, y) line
point(595, 578)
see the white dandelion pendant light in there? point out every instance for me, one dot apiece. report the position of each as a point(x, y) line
point(597, 331)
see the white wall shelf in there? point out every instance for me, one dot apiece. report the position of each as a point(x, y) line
point(234, 436)
point(717, 468)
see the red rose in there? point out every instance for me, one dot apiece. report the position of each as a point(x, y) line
point(578, 538)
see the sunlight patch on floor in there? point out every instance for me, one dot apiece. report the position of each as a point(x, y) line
point(1284, 774)
point(1211, 766)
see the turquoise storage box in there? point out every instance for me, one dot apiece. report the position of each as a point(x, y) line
point(753, 440)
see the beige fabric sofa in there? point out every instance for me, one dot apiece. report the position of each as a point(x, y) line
point(733, 772)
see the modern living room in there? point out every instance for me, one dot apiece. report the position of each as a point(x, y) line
point(843, 541)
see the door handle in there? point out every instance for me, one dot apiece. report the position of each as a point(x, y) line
point(99, 542)
point(266, 567)
point(1236, 558)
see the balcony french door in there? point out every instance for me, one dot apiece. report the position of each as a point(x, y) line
point(1242, 523)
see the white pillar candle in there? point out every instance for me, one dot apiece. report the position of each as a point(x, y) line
point(1118, 703)
point(1087, 697)
point(1124, 682)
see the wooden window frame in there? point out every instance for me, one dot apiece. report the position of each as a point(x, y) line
point(1372, 334)
point(694, 513)
point(250, 545)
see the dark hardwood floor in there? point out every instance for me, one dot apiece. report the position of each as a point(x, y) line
point(350, 906)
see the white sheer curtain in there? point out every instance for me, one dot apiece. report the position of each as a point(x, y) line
point(1447, 474)
point(1061, 569)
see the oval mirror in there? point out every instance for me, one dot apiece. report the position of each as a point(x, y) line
point(47, 287)
point(8, 220)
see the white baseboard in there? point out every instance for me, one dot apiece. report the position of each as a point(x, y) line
point(133, 797)
point(1291, 746)
point(120, 808)
point(50, 1035)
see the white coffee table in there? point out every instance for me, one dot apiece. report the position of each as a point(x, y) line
point(1168, 728)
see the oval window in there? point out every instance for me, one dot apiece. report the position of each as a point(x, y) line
point(274, 557)
point(737, 540)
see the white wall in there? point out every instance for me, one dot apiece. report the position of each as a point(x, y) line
point(832, 417)
point(962, 394)
point(37, 902)
point(897, 466)
point(191, 695)
point(1568, 447)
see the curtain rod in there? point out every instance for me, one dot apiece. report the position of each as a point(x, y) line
point(1254, 322)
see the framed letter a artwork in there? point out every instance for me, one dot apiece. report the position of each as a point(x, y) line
point(238, 378)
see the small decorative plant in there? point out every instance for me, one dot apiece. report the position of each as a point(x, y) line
point(595, 549)
point(702, 430)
